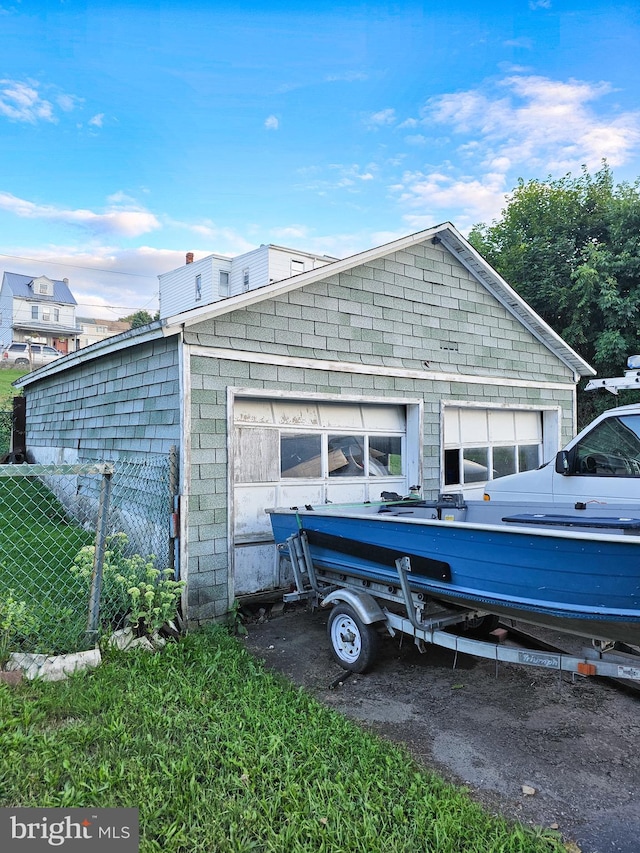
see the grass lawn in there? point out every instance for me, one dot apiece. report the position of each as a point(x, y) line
point(7, 391)
point(220, 755)
point(37, 548)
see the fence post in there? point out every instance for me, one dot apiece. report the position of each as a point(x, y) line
point(174, 487)
point(98, 557)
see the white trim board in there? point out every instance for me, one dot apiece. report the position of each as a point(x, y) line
point(370, 369)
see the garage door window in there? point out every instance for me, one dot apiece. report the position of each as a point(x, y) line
point(485, 444)
point(309, 455)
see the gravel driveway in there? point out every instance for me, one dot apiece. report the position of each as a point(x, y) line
point(573, 745)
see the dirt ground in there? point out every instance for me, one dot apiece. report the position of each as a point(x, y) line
point(573, 742)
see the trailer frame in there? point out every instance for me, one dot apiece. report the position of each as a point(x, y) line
point(362, 606)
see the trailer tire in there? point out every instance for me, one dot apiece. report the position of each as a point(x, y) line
point(354, 644)
point(481, 628)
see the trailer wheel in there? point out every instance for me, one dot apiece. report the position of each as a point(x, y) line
point(354, 644)
point(482, 626)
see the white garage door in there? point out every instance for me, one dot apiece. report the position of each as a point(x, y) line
point(292, 453)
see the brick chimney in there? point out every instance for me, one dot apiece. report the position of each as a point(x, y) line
point(189, 257)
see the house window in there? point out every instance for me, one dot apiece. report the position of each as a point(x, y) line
point(46, 316)
point(245, 280)
point(43, 288)
point(56, 315)
point(198, 288)
point(297, 267)
point(223, 287)
point(34, 312)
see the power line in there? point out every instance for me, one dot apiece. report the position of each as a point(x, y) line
point(75, 266)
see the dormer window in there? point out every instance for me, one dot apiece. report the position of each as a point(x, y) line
point(245, 279)
point(198, 288)
point(42, 286)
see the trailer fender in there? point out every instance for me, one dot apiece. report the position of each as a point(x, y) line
point(363, 603)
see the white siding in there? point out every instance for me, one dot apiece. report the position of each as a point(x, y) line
point(280, 259)
point(265, 264)
point(257, 262)
point(178, 287)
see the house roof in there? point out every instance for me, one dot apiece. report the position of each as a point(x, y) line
point(459, 247)
point(20, 287)
point(445, 233)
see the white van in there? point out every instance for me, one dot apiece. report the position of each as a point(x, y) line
point(600, 465)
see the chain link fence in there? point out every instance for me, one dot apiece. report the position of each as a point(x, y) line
point(74, 541)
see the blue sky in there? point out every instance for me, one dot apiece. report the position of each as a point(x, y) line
point(133, 132)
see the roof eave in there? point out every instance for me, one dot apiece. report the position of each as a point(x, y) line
point(109, 345)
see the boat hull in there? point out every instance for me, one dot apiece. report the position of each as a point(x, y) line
point(582, 583)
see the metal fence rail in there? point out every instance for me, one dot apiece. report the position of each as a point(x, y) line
point(73, 540)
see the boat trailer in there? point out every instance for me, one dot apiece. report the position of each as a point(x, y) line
point(362, 606)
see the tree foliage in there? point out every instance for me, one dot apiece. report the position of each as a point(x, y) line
point(571, 248)
point(139, 318)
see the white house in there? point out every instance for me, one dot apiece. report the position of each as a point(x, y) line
point(94, 329)
point(202, 282)
point(40, 309)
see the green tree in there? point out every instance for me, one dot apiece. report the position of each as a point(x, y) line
point(139, 318)
point(571, 248)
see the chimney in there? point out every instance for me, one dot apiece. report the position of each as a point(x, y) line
point(189, 257)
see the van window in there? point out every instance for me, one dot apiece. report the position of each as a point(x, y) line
point(611, 449)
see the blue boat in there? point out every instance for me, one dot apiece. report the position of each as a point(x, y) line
point(573, 570)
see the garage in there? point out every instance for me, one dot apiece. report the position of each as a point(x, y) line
point(411, 363)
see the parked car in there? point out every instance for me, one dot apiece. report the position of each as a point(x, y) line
point(24, 354)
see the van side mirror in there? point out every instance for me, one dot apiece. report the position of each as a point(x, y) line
point(563, 463)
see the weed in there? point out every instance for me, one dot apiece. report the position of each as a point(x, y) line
point(133, 589)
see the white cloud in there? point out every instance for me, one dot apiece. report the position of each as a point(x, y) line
point(545, 125)
point(523, 42)
point(347, 77)
point(117, 221)
point(97, 120)
point(430, 197)
point(382, 118)
point(342, 177)
point(272, 123)
point(68, 103)
point(21, 101)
